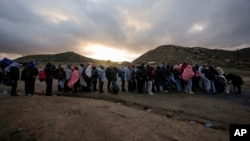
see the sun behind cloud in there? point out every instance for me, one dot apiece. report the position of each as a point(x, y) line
point(196, 28)
point(102, 52)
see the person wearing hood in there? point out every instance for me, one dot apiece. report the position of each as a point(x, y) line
point(94, 78)
point(88, 76)
point(60, 76)
point(67, 78)
point(83, 83)
point(49, 71)
point(13, 74)
point(204, 83)
point(122, 75)
point(130, 78)
point(177, 77)
point(140, 78)
point(101, 78)
point(74, 80)
point(187, 77)
point(109, 77)
point(28, 75)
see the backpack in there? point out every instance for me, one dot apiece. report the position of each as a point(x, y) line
point(59, 74)
point(11, 76)
point(139, 74)
point(42, 76)
point(29, 72)
point(49, 71)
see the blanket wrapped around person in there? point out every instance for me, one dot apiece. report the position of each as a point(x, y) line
point(74, 78)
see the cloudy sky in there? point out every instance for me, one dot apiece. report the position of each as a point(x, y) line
point(120, 29)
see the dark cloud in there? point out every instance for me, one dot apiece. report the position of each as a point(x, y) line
point(130, 26)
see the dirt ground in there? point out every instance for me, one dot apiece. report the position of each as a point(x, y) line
point(124, 117)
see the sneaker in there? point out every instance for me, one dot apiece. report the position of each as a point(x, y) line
point(166, 91)
point(151, 94)
point(191, 92)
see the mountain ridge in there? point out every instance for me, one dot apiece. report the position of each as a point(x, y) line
point(166, 53)
point(60, 58)
point(196, 55)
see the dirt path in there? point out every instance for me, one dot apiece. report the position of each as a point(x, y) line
point(126, 116)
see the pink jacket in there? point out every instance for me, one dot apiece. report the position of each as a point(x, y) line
point(74, 78)
point(187, 73)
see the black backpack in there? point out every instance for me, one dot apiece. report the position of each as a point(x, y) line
point(59, 74)
point(11, 76)
point(29, 72)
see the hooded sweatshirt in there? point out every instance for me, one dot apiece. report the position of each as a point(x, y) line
point(187, 73)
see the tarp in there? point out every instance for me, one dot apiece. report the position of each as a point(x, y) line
point(6, 60)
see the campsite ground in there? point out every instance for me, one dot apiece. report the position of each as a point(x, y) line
point(127, 116)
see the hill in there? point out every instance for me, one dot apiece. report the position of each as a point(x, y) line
point(61, 57)
point(196, 55)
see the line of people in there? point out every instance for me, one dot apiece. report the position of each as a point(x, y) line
point(186, 77)
point(143, 78)
point(149, 79)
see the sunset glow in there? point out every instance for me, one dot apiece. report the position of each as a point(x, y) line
point(107, 53)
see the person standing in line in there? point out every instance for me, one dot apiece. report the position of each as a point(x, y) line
point(74, 80)
point(158, 78)
point(140, 77)
point(28, 75)
point(149, 79)
point(60, 75)
point(177, 77)
point(122, 75)
point(205, 82)
point(130, 78)
point(83, 83)
point(109, 78)
point(101, 78)
point(13, 74)
point(88, 76)
point(67, 78)
point(153, 79)
point(114, 87)
point(210, 74)
point(49, 70)
point(94, 78)
point(187, 77)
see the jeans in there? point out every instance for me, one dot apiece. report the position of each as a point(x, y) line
point(178, 84)
point(189, 85)
point(149, 86)
point(206, 84)
point(212, 86)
